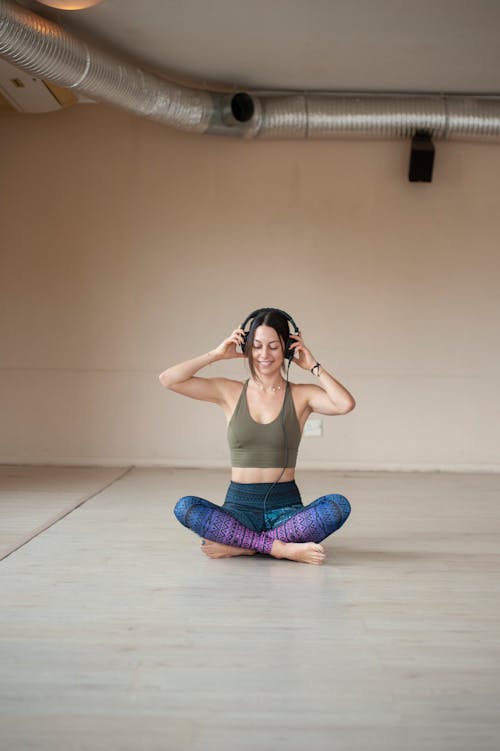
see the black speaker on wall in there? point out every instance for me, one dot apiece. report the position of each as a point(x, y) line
point(421, 158)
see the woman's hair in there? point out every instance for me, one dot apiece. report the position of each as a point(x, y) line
point(274, 320)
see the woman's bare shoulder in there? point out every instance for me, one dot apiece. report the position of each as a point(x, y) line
point(301, 388)
point(218, 390)
point(302, 392)
point(230, 385)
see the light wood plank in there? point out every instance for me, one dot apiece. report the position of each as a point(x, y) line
point(117, 632)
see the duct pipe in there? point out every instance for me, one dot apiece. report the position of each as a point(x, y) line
point(45, 50)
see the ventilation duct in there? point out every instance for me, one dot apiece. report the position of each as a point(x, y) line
point(43, 49)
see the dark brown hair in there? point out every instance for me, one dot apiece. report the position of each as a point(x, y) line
point(274, 320)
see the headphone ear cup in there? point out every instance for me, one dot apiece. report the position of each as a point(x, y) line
point(243, 344)
point(289, 352)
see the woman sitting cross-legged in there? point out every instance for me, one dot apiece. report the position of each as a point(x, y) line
point(263, 511)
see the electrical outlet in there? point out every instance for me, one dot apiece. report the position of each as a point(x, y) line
point(313, 427)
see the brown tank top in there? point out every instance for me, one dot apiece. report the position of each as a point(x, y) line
point(255, 444)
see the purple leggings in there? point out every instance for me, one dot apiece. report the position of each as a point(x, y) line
point(310, 523)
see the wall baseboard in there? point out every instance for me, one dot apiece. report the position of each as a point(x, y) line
point(218, 465)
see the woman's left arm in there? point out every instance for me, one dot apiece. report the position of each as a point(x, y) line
point(331, 397)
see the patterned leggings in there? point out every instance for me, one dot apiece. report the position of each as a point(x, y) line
point(310, 523)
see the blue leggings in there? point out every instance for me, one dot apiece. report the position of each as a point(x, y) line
point(244, 523)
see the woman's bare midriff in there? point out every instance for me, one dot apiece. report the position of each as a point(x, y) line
point(262, 474)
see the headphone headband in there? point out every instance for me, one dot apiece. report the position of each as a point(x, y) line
point(255, 313)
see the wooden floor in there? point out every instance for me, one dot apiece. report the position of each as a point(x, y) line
point(117, 633)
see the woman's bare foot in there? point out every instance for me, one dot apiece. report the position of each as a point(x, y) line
point(305, 552)
point(218, 550)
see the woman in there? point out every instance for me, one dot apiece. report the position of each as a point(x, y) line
point(263, 510)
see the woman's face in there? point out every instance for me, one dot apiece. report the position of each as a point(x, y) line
point(267, 351)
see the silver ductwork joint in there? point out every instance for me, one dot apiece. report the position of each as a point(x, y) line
point(237, 114)
point(45, 50)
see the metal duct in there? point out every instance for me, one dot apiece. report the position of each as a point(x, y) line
point(45, 50)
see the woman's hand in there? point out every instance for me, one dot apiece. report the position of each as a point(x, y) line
point(227, 349)
point(302, 356)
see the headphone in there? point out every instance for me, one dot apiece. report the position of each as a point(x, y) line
point(256, 313)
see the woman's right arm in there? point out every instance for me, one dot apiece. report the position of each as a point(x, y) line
point(181, 378)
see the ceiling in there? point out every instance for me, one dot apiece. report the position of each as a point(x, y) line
point(446, 46)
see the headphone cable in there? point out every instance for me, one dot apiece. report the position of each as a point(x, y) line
point(286, 444)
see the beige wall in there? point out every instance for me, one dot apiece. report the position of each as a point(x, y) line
point(127, 246)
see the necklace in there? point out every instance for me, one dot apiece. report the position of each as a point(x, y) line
point(273, 388)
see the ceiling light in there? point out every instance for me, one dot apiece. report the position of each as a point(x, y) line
point(70, 4)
